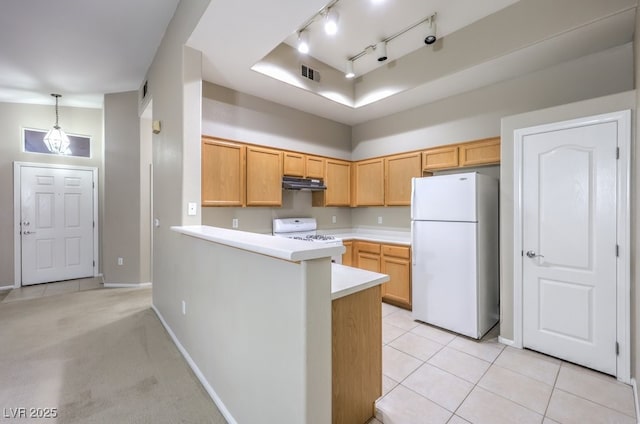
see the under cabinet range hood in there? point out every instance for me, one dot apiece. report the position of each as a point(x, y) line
point(305, 184)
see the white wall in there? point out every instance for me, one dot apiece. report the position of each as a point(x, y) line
point(14, 117)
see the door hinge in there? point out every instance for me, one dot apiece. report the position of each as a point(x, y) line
point(94, 224)
point(617, 250)
point(93, 185)
point(617, 153)
point(617, 349)
point(522, 253)
point(94, 264)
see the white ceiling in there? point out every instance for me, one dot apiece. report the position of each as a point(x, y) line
point(78, 48)
point(483, 43)
point(83, 49)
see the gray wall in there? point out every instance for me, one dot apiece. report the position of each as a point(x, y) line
point(13, 117)
point(635, 218)
point(124, 199)
point(237, 116)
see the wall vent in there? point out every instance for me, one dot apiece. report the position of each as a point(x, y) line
point(310, 73)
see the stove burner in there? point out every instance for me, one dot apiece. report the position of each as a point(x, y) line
point(320, 237)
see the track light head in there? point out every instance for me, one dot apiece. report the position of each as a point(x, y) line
point(431, 33)
point(349, 74)
point(303, 42)
point(381, 50)
point(331, 22)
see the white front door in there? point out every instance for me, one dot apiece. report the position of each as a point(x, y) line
point(56, 210)
point(569, 201)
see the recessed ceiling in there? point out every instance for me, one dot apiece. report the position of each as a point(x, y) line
point(80, 49)
point(363, 23)
point(480, 43)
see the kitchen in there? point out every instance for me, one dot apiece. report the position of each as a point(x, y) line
point(464, 117)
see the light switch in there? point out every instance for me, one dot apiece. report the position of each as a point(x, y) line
point(192, 209)
point(379, 220)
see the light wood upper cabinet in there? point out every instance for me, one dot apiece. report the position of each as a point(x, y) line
point(264, 177)
point(294, 164)
point(338, 182)
point(440, 158)
point(396, 262)
point(315, 167)
point(369, 182)
point(399, 170)
point(481, 152)
point(223, 173)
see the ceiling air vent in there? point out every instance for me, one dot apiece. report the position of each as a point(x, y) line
point(310, 73)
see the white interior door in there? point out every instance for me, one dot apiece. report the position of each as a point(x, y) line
point(56, 224)
point(569, 198)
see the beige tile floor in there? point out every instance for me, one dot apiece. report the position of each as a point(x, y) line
point(50, 289)
point(433, 376)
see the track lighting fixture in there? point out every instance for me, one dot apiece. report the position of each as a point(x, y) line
point(303, 42)
point(331, 22)
point(349, 73)
point(381, 50)
point(431, 34)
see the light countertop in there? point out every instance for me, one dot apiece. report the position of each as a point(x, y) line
point(346, 280)
point(277, 247)
point(380, 236)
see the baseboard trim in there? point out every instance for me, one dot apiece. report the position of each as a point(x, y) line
point(6, 287)
point(125, 285)
point(504, 341)
point(212, 393)
point(634, 385)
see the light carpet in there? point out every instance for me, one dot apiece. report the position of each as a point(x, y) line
point(97, 356)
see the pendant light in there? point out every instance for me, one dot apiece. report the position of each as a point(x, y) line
point(56, 140)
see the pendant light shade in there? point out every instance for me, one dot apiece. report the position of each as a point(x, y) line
point(303, 42)
point(349, 73)
point(331, 22)
point(56, 140)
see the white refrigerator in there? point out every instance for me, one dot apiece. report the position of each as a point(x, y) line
point(455, 252)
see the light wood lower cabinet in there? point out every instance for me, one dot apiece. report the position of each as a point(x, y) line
point(391, 259)
point(223, 173)
point(396, 262)
point(356, 360)
point(264, 177)
point(347, 256)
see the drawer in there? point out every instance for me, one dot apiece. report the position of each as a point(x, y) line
point(396, 251)
point(368, 247)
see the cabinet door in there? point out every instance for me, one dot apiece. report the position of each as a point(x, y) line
point(440, 158)
point(338, 182)
point(347, 256)
point(399, 170)
point(397, 264)
point(368, 261)
point(482, 152)
point(264, 177)
point(369, 183)
point(293, 164)
point(223, 173)
point(315, 167)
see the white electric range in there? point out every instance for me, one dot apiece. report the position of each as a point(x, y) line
point(305, 229)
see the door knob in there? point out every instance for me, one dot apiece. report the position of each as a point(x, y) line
point(26, 233)
point(531, 254)
point(25, 223)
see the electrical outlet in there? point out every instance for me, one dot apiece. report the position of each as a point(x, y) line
point(192, 209)
point(184, 308)
point(379, 220)
point(333, 219)
point(120, 261)
point(234, 223)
